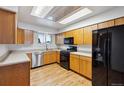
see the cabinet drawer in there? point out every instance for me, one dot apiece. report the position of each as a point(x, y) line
point(86, 58)
point(75, 56)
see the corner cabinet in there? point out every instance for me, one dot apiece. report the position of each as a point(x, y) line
point(24, 36)
point(7, 27)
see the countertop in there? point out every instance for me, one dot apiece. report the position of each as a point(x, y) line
point(15, 58)
point(82, 54)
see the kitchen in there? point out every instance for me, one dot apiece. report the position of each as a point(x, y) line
point(47, 50)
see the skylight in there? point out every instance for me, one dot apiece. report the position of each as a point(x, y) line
point(77, 15)
point(41, 11)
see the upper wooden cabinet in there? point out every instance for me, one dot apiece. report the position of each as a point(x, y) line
point(87, 37)
point(28, 37)
point(119, 21)
point(59, 38)
point(78, 36)
point(106, 24)
point(24, 36)
point(7, 27)
point(20, 37)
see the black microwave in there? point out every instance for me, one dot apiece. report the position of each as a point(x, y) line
point(69, 40)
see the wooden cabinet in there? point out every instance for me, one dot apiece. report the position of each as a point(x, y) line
point(50, 57)
point(46, 58)
point(74, 63)
point(28, 37)
point(53, 56)
point(15, 75)
point(58, 56)
point(30, 57)
point(86, 66)
point(20, 37)
point(81, 65)
point(24, 36)
point(78, 36)
point(106, 24)
point(87, 37)
point(119, 21)
point(7, 27)
point(59, 38)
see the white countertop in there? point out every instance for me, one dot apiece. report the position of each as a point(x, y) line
point(15, 58)
point(82, 54)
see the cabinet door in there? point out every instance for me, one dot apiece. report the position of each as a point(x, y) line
point(53, 57)
point(28, 37)
point(58, 56)
point(106, 24)
point(7, 27)
point(88, 35)
point(86, 67)
point(46, 58)
point(78, 36)
point(20, 37)
point(119, 21)
point(74, 63)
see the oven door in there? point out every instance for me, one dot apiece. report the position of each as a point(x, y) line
point(64, 60)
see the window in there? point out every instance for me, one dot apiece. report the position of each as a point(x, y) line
point(44, 38)
point(48, 38)
point(41, 38)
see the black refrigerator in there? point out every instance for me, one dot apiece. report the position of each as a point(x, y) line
point(108, 57)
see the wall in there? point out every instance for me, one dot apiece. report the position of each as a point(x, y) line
point(112, 14)
point(36, 28)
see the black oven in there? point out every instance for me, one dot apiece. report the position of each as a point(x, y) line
point(69, 40)
point(65, 56)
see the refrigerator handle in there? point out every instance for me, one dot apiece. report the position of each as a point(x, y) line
point(104, 53)
point(108, 53)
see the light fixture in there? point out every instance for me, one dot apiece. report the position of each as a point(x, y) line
point(41, 11)
point(77, 15)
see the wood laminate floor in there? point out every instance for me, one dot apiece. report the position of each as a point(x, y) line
point(54, 75)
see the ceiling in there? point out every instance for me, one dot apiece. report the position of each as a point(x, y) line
point(57, 13)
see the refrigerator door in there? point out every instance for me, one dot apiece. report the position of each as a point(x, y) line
point(116, 60)
point(99, 52)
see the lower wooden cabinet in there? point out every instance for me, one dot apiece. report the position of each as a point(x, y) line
point(74, 63)
point(50, 57)
point(15, 75)
point(30, 57)
point(85, 66)
point(81, 65)
point(58, 56)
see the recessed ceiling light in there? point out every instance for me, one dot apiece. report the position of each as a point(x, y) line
point(50, 18)
point(77, 15)
point(41, 11)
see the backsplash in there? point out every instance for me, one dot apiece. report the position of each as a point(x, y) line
point(80, 48)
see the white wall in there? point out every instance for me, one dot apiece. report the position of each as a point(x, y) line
point(112, 14)
point(36, 28)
